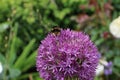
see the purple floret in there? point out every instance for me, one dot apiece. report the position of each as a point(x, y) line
point(67, 56)
point(108, 68)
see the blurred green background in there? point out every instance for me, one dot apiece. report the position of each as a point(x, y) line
point(24, 23)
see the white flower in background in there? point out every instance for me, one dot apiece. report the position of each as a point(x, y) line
point(104, 67)
point(100, 69)
point(1, 68)
point(115, 27)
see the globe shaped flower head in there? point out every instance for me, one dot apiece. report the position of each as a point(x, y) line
point(69, 55)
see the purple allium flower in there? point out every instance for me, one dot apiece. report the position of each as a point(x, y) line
point(108, 68)
point(67, 56)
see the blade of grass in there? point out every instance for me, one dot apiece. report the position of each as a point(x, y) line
point(21, 59)
point(30, 61)
point(25, 76)
point(12, 53)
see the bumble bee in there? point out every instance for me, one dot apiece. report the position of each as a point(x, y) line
point(56, 30)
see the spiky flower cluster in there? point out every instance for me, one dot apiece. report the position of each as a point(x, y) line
point(70, 55)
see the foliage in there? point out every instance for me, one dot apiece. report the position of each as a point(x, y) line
point(24, 23)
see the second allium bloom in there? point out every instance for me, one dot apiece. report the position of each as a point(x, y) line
point(67, 56)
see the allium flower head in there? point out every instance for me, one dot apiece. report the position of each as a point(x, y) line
point(67, 56)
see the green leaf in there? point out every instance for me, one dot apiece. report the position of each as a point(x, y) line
point(12, 53)
point(24, 54)
point(3, 27)
point(109, 54)
point(34, 74)
point(38, 78)
point(96, 78)
point(16, 43)
point(98, 42)
point(44, 3)
point(117, 61)
point(14, 73)
point(30, 61)
point(53, 6)
point(2, 58)
point(61, 14)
